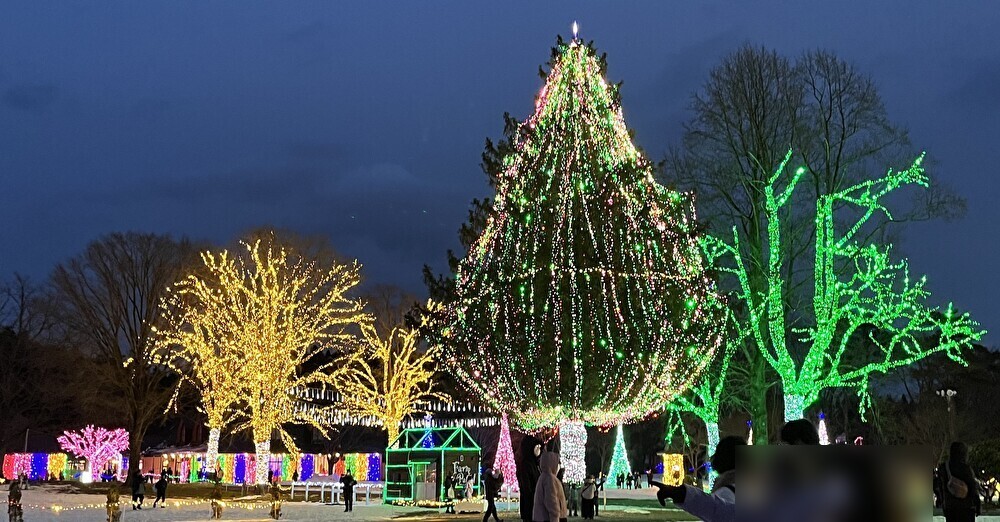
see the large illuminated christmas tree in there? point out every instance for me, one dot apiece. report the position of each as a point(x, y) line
point(585, 298)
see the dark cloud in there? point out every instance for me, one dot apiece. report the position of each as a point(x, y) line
point(30, 98)
point(311, 150)
point(980, 93)
point(364, 121)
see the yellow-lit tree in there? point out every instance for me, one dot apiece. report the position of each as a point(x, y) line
point(277, 308)
point(389, 378)
point(199, 342)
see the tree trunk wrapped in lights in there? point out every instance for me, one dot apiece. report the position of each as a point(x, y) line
point(874, 301)
point(276, 308)
point(198, 342)
point(585, 299)
point(389, 378)
point(705, 398)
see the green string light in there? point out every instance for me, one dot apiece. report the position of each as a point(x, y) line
point(862, 299)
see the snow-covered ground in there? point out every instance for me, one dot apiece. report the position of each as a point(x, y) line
point(52, 504)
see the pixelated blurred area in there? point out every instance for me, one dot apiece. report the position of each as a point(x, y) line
point(835, 484)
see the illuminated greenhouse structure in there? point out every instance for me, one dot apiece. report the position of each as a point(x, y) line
point(418, 461)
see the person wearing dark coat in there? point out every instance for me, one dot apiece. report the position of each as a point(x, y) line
point(138, 490)
point(494, 481)
point(348, 481)
point(959, 508)
point(527, 474)
point(588, 496)
point(161, 491)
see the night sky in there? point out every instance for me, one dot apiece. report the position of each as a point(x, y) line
point(365, 121)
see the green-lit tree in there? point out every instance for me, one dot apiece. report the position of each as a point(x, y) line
point(705, 398)
point(619, 458)
point(868, 316)
point(585, 299)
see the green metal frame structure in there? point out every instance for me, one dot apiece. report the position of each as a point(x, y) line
point(425, 446)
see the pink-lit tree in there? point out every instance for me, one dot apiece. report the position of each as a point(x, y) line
point(97, 445)
point(504, 460)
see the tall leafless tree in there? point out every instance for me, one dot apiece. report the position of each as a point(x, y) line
point(108, 298)
point(755, 106)
point(36, 376)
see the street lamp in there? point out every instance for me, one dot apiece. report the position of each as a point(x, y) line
point(948, 394)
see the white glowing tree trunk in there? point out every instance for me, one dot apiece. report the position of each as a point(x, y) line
point(573, 439)
point(713, 436)
point(212, 455)
point(263, 460)
point(795, 407)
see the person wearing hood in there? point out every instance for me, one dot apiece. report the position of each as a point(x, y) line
point(720, 505)
point(550, 502)
point(527, 474)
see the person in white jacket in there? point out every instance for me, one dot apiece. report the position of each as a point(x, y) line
point(720, 505)
point(550, 501)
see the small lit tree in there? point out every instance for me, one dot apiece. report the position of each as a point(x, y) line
point(389, 378)
point(280, 310)
point(619, 457)
point(858, 292)
point(504, 460)
point(96, 445)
